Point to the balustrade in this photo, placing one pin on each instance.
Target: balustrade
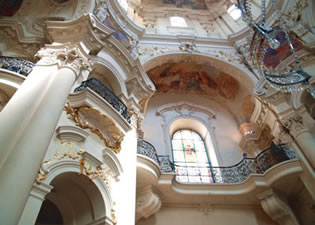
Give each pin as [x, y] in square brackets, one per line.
[106, 94]
[17, 65]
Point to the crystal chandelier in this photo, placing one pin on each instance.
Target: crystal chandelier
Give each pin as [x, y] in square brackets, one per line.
[267, 39]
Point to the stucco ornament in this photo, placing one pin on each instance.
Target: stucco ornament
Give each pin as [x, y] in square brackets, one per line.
[105, 128]
[294, 124]
[101, 10]
[67, 57]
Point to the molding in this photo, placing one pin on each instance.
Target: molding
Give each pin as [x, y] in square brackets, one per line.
[112, 161]
[71, 133]
[147, 164]
[89, 98]
[253, 183]
[11, 79]
[148, 202]
[39, 191]
[105, 128]
[190, 107]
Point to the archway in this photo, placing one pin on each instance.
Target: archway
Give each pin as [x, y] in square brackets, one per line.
[74, 199]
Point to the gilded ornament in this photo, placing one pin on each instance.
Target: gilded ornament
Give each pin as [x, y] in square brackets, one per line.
[114, 138]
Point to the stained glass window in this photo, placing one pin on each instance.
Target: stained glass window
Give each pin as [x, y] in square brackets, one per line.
[190, 157]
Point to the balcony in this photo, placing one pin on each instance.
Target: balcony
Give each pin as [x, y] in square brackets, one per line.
[147, 149]
[237, 173]
[17, 65]
[106, 94]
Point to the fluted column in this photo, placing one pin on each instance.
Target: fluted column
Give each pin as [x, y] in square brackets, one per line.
[28, 122]
[278, 209]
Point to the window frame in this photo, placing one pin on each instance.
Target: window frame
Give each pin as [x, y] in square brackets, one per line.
[184, 20]
[211, 177]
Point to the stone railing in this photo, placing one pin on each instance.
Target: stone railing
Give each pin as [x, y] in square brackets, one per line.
[16, 65]
[106, 94]
[147, 149]
[240, 171]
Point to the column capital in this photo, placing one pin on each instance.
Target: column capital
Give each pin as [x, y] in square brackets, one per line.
[66, 56]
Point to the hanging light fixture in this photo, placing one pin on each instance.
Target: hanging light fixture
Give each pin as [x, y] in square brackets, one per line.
[267, 39]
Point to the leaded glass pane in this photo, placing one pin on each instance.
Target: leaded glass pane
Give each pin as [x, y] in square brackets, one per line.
[177, 145]
[195, 136]
[194, 179]
[199, 146]
[190, 158]
[201, 157]
[193, 171]
[179, 156]
[186, 134]
[182, 179]
[177, 136]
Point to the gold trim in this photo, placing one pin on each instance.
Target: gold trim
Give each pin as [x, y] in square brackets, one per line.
[74, 115]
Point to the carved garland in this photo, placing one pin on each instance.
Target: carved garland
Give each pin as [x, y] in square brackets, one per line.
[74, 115]
[66, 152]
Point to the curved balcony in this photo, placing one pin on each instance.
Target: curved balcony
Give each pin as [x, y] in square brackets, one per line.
[147, 149]
[106, 94]
[17, 65]
[238, 172]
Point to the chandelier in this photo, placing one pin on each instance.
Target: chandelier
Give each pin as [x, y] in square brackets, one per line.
[265, 39]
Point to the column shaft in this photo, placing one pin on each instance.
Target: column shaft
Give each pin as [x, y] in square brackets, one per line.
[28, 123]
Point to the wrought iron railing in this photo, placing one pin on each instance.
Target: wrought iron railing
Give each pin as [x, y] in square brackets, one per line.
[106, 94]
[147, 149]
[17, 65]
[240, 171]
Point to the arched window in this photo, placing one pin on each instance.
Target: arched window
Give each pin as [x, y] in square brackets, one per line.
[190, 157]
[177, 21]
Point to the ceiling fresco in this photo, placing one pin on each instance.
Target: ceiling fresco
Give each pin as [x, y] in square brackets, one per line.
[194, 78]
[194, 4]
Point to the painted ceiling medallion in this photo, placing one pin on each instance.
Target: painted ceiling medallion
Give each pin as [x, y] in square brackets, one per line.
[99, 124]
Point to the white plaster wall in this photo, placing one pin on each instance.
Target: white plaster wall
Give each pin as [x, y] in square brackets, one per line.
[218, 216]
[124, 190]
[224, 129]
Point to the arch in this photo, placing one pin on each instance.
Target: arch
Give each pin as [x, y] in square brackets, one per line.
[116, 76]
[245, 77]
[70, 166]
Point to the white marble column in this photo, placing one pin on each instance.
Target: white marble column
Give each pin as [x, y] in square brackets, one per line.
[28, 122]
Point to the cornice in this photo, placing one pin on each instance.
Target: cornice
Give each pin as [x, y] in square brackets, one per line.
[96, 37]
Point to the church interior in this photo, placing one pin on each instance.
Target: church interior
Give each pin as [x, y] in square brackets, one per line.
[157, 112]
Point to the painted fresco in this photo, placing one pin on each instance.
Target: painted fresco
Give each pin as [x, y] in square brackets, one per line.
[194, 4]
[193, 78]
[273, 57]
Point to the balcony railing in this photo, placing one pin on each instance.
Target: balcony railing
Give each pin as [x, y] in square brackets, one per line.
[106, 94]
[231, 174]
[16, 65]
[147, 149]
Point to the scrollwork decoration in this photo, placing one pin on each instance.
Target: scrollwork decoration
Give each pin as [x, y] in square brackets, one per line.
[113, 142]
